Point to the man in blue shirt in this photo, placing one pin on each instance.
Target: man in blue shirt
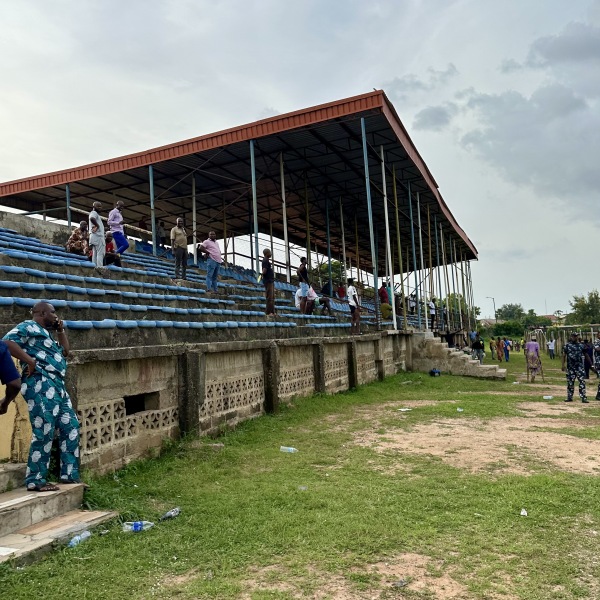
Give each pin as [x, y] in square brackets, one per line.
[9, 374]
[574, 356]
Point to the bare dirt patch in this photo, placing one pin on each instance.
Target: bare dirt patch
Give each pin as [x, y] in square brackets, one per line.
[508, 445]
[404, 573]
[555, 410]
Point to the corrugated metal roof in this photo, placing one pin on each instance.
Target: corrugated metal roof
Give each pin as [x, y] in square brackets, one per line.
[322, 150]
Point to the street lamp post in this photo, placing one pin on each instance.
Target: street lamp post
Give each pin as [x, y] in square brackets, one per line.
[494, 301]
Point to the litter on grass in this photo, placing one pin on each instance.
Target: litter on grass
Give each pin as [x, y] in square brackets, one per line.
[460, 410]
[404, 409]
[523, 512]
[548, 397]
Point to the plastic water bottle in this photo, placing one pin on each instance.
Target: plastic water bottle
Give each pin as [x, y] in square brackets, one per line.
[174, 512]
[137, 526]
[81, 537]
[287, 449]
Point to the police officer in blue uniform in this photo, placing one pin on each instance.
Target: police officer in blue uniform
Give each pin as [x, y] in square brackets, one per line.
[574, 356]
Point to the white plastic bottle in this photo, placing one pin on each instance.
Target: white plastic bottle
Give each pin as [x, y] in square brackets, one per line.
[137, 526]
[287, 449]
[81, 537]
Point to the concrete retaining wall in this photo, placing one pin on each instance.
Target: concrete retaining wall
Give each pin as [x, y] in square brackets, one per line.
[130, 400]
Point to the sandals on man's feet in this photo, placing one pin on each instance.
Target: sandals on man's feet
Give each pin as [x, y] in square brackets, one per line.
[47, 487]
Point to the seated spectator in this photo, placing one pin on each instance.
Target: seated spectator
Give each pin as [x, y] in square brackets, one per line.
[78, 240]
[386, 311]
[326, 289]
[309, 302]
[383, 295]
[143, 225]
[341, 292]
[111, 257]
[161, 234]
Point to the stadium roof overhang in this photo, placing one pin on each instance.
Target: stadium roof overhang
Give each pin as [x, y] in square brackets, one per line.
[322, 153]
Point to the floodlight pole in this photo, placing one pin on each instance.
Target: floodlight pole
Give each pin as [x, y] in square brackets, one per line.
[343, 245]
[152, 212]
[370, 212]
[254, 206]
[328, 243]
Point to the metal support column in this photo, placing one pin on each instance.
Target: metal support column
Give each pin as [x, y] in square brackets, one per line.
[225, 231]
[399, 244]
[195, 234]
[370, 212]
[421, 283]
[68, 198]
[414, 253]
[307, 212]
[152, 211]
[388, 246]
[343, 282]
[437, 262]
[328, 246]
[288, 266]
[254, 207]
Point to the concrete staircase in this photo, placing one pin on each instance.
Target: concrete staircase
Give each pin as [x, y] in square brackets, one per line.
[33, 523]
[430, 352]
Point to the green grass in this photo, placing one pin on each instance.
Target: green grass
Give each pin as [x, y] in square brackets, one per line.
[243, 510]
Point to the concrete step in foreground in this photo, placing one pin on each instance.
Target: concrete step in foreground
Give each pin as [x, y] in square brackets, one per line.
[30, 543]
[12, 476]
[21, 508]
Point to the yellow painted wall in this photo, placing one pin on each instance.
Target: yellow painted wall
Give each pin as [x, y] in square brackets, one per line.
[15, 430]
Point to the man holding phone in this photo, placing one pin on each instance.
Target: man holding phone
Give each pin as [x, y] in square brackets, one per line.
[43, 388]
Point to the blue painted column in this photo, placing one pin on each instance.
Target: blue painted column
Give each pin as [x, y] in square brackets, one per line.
[370, 212]
[437, 262]
[68, 198]
[254, 207]
[414, 254]
[328, 243]
[152, 212]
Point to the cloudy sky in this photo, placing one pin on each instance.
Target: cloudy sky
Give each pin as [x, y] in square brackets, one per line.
[500, 98]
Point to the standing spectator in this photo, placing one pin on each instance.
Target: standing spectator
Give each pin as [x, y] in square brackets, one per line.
[115, 222]
[493, 348]
[499, 349]
[213, 261]
[47, 397]
[161, 234]
[341, 291]
[144, 226]
[574, 357]
[588, 348]
[78, 240]
[532, 356]
[302, 272]
[412, 303]
[309, 302]
[326, 289]
[111, 256]
[506, 345]
[354, 307]
[97, 241]
[268, 279]
[179, 244]
[478, 348]
[551, 345]
[432, 312]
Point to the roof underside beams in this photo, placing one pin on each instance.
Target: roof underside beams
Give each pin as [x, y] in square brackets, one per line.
[323, 163]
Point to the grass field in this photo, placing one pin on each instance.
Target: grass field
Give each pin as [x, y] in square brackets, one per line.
[378, 503]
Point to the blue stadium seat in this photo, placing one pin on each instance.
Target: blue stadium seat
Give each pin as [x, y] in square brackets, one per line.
[26, 302]
[181, 324]
[11, 269]
[100, 305]
[119, 306]
[11, 285]
[6, 301]
[78, 304]
[147, 324]
[79, 324]
[58, 304]
[126, 324]
[164, 323]
[104, 324]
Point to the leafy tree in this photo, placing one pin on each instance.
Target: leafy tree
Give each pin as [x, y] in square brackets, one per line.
[531, 320]
[510, 312]
[585, 310]
[510, 329]
[322, 272]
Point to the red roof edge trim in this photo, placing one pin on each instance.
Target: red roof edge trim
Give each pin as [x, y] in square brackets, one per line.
[255, 130]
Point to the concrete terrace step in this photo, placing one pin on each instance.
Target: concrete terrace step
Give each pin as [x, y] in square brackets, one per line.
[29, 543]
[12, 476]
[21, 508]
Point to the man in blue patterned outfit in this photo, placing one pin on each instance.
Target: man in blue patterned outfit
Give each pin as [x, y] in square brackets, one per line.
[47, 398]
[597, 361]
[574, 356]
